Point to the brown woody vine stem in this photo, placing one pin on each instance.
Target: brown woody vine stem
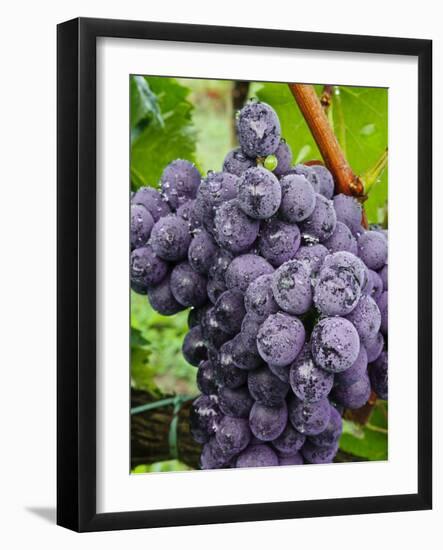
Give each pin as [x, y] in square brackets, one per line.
[310, 106]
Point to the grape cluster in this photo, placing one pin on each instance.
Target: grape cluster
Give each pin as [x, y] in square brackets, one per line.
[288, 297]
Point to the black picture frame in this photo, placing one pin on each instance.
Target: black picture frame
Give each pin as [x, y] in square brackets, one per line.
[76, 265]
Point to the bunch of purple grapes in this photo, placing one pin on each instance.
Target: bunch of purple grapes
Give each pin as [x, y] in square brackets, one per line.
[288, 297]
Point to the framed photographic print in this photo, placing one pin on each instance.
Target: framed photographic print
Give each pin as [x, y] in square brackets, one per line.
[229, 201]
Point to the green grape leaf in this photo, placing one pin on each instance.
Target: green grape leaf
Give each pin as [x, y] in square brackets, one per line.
[144, 104]
[154, 145]
[369, 441]
[359, 117]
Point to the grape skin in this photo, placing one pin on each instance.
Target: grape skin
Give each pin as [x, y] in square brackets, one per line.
[147, 269]
[309, 382]
[259, 299]
[234, 230]
[266, 388]
[170, 238]
[280, 339]
[180, 181]
[258, 129]
[153, 202]
[335, 344]
[353, 396]
[279, 241]
[298, 199]
[141, 225]
[291, 285]
[236, 162]
[259, 193]
[257, 456]
[267, 423]
[187, 286]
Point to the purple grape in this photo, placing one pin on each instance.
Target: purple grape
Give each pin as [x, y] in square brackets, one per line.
[309, 382]
[312, 257]
[373, 249]
[213, 333]
[147, 269]
[215, 288]
[259, 193]
[348, 211]
[162, 300]
[187, 211]
[207, 379]
[179, 182]
[374, 346]
[280, 372]
[141, 225]
[309, 173]
[228, 375]
[244, 269]
[279, 241]
[383, 307]
[153, 202]
[170, 238]
[204, 417]
[257, 456]
[267, 423]
[220, 263]
[241, 357]
[280, 339]
[249, 331]
[187, 286]
[298, 198]
[289, 442]
[378, 374]
[355, 372]
[334, 344]
[229, 310]
[201, 252]
[325, 180]
[319, 455]
[337, 291]
[341, 239]
[139, 288]
[384, 276]
[235, 401]
[353, 396]
[216, 189]
[259, 299]
[348, 260]
[366, 318]
[258, 129]
[236, 162]
[194, 347]
[377, 285]
[283, 154]
[320, 225]
[291, 286]
[233, 435]
[234, 230]
[309, 418]
[266, 388]
[331, 434]
[213, 456]
[294, 460]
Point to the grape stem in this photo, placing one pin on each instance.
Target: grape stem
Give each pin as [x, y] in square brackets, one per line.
[345, 180]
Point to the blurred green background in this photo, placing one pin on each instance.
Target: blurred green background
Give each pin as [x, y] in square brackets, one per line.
[194, 119]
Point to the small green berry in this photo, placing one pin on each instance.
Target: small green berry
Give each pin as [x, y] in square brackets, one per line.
[270, 163]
